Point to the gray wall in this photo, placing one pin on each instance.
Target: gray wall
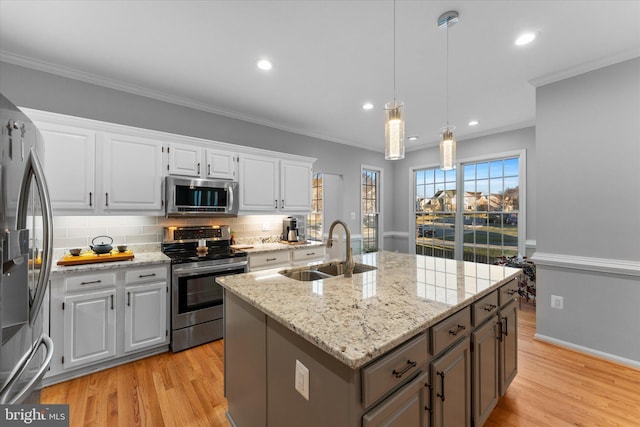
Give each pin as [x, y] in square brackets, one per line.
[468, 149]
[588, 238]
[44, 91]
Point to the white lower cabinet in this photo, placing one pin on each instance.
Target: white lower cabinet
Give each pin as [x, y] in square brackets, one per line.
[89, 328]
[145, 316]
[101, 319]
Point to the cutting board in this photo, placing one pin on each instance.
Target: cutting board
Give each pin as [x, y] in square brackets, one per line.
[240, 247]
[91, 258]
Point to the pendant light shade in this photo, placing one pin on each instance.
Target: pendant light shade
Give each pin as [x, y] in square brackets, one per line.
[394, 130]
[447, 140]
[447, 149]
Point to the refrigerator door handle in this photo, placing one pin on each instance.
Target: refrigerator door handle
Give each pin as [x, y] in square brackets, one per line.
[34, 169]
[24, 363]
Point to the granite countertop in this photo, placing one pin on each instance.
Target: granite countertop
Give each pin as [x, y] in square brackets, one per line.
[255, 248]
[359, 318]
[140, 259]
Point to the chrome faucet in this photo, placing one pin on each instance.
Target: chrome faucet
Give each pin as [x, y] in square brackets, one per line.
[349, 264]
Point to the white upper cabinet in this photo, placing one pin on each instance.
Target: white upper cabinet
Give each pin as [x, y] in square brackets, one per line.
[268, 184]
[199, 162]
[132, 175]
[70, 166]
[184, 160]
[295, 186]
[221, 164]
[258, 183]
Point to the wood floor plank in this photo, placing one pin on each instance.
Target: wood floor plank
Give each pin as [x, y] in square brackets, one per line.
[554, 387]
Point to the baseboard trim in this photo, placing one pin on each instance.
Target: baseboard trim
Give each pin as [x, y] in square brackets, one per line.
[590, 351]
[605, 265]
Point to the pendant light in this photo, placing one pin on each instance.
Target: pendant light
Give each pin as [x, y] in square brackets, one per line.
[394, 114]
[447, 140]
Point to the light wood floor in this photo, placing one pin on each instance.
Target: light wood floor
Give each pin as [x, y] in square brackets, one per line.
[554, 387]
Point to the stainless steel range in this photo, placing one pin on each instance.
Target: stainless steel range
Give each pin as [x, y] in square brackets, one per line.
[198, 255]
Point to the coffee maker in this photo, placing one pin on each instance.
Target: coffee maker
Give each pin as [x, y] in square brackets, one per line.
[290, 229]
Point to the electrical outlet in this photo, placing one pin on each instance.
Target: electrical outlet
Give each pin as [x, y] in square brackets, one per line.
[557, 302]
[265, 226]
[353, 215]
[302, 379]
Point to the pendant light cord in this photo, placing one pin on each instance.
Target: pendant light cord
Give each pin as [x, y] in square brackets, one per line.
[447, 74]
[394, 51]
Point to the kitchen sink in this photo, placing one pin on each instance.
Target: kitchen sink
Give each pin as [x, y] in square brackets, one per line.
[324, 271]
[305, 275]
[337, 269]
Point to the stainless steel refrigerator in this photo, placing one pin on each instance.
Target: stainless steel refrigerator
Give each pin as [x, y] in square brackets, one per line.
[25, 254]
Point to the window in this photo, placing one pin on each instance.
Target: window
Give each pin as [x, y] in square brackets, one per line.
[480, 223]
[435, 212]
[370, 209]
[314, 219]
[491, 207]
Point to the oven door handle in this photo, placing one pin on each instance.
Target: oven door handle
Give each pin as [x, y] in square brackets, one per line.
[189, 271]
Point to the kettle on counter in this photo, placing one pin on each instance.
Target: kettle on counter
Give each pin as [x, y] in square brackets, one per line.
[102, 248]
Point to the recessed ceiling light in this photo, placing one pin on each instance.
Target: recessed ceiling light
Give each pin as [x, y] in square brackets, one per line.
[413, 138]
[265, 64]
[473, 122]
[367, 106]
[525, 38]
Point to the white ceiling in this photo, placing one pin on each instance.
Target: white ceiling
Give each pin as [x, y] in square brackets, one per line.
[329, 57]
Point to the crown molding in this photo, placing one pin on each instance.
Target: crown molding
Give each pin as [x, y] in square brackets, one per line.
[98, 80]
[585, 68]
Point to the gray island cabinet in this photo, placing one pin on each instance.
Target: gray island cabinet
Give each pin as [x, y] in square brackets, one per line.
[419, 341]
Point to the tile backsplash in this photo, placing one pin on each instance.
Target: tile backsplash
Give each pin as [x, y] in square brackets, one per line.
[147, 231]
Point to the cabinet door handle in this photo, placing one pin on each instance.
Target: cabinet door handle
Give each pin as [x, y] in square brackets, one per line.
[282, 204]
[128, 299]
[276, 204]
[489, 307]
[106, 196]
[90, 198]
[410, 365]
[271, 259]
[505, 331]
[209, 169]
[91, 282]
[457, 330]
[441, 396]
[428, 408]
[310, 253]
[510, 292]
[500, 332]
[146, 275]
[111, 301]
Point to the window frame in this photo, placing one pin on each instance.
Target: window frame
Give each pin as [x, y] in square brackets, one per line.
[380, 203]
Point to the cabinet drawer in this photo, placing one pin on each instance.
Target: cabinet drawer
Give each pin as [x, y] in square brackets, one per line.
[393, 369]
[301, 255]
[267, 260]
[406, 407]
[90, 281]
[484, 307]
[143, 275]
[508, 292]
[449, 330]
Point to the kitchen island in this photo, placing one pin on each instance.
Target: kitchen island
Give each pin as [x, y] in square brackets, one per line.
[351, 351]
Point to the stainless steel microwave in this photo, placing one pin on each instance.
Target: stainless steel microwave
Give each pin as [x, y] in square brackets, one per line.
[201, 197]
